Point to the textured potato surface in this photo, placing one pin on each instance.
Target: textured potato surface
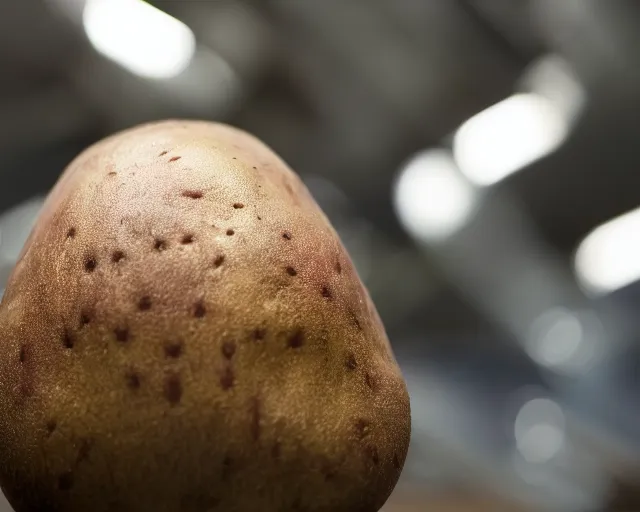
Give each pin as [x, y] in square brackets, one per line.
[185, 332]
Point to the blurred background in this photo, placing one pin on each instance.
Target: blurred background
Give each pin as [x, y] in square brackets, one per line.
[479, 159]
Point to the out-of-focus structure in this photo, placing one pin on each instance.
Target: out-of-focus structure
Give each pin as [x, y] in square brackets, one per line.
[479, 159]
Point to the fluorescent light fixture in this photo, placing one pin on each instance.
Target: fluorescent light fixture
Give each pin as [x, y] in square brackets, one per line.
[553, 77]
[142, 39]
[508, 136]
[431, 198]
[609, 257]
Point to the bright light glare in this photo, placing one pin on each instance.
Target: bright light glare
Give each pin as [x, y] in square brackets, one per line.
[553, 77]
[609, 257]
[431, 198]
[567, 341]
[507, 137]
[139, 37]
[556, 338]
[540, 430]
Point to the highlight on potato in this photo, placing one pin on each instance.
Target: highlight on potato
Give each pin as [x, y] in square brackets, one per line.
[185, 331]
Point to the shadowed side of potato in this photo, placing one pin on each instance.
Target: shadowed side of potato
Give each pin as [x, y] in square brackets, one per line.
[185, 332]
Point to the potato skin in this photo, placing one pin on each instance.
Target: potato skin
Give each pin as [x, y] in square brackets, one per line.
[185, 332]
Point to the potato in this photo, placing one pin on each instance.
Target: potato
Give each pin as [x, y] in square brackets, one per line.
[185, 332]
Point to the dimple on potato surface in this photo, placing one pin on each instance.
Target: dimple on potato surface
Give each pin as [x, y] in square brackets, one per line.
[185, 332]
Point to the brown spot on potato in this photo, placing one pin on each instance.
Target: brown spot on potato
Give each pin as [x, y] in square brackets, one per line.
[71, 233]
[187, 239]
[90, 264]
[326, 293]
[228, 349]
[218, 261]
[354, 319]
[227, 379]
[163, 153]
[372, 452]
[121, 334]
[117, 256]
[51, 427]
[199, 309]
[144, 304]
[23, 353]
[363, 428]
[351, 362]
[238, 206]
[259, 334]
[172, 388]
[133, 380]
[296, 339]
[338, 267]
[174, 158]
[85, 318]
[291, 271]
[67, 340]
[65, 481]
[286, 235]
[370, 381]
[193, 194]
[173, 349]
[160, 245]
[230, 232]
